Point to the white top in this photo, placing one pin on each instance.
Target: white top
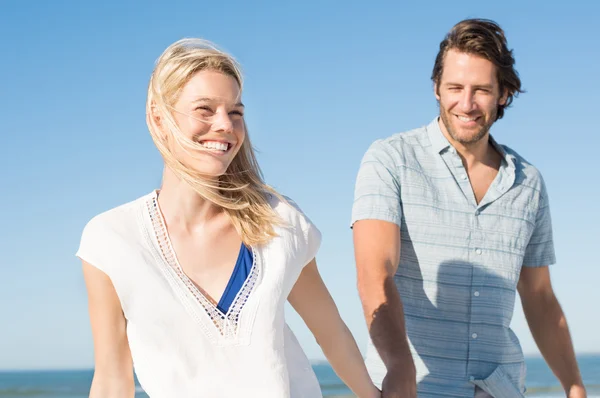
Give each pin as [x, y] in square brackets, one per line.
[181, 344]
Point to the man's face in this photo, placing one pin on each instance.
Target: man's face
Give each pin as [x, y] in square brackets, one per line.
[469, 94]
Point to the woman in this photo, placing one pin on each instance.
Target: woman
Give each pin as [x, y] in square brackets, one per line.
[189, 282]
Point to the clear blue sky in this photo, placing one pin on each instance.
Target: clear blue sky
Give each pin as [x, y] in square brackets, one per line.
[323, 82]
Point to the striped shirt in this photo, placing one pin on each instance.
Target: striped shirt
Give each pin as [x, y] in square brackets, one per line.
[459, 260]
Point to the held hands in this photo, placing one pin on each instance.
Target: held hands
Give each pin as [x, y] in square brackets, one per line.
[400, 383]
[374, 392]
[577, 392]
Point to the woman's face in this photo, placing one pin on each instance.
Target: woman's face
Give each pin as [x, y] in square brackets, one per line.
[209, 111]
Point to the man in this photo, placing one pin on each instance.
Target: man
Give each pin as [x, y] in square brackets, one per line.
[448, 225]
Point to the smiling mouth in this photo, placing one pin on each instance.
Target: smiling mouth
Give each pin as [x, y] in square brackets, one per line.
[466, 119]
[217, 146]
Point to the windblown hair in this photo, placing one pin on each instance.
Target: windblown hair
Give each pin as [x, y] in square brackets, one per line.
[241, 191]
[486, 39]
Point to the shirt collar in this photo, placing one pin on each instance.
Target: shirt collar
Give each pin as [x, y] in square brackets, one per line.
[509, 159]
[438, 140]
[439, 143]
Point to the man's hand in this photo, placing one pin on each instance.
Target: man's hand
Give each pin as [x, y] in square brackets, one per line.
[400, 382]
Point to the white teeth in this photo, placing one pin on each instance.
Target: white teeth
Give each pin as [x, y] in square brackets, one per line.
[221, 146]
[466, 119]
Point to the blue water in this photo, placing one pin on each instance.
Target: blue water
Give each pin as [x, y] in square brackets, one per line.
[75, 384]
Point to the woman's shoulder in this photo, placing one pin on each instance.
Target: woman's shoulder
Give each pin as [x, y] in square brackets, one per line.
[306, 235]
[108, 233]
[118, 217]
[292, 214]
[286, 208]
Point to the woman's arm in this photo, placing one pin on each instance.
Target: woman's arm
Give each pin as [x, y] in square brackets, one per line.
[113, 373]
[311, 299]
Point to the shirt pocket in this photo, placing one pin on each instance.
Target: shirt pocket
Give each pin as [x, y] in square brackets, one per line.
[508, 230]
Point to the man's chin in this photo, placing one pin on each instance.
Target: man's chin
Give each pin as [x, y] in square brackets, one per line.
[467, 137]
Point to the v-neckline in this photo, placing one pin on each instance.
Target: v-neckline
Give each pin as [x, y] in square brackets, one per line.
[226, 324]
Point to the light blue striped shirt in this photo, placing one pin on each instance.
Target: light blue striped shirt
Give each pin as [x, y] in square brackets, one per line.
[459, 261]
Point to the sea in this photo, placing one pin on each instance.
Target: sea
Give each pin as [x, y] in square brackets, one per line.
[76, 383]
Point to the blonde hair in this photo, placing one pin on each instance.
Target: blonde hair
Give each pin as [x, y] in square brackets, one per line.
[241, 191]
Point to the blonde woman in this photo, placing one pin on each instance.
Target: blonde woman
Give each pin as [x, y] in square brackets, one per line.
[188, 283]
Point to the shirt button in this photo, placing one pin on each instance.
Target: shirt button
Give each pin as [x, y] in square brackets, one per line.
[472, 378]
[476, 293]
[477, 212]
[478, 251]
[463, 176]
[474, 335]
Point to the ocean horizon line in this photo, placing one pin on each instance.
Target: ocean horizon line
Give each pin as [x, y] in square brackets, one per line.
[314, 362]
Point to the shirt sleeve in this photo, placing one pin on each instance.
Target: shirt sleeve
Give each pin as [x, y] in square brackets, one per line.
[89, 246]
[377, 189]
[313, 240]
[310, 236]
[540, 249]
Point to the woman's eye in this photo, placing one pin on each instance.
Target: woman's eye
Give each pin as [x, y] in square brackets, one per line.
[237, 113]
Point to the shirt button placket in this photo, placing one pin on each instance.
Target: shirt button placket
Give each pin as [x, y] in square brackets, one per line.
[475, 242]
[474, 336]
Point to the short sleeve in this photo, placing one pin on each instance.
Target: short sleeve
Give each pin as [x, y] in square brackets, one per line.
[313, 240]
[310, 235]
[540, 249]
[377, 189]
[90, 244]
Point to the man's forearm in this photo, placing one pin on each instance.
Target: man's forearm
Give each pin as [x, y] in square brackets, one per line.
[551, 333]
[385, 320]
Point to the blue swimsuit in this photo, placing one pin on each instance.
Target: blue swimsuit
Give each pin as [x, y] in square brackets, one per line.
[240, 273]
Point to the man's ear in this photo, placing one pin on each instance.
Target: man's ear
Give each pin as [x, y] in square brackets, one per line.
[435, 91]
